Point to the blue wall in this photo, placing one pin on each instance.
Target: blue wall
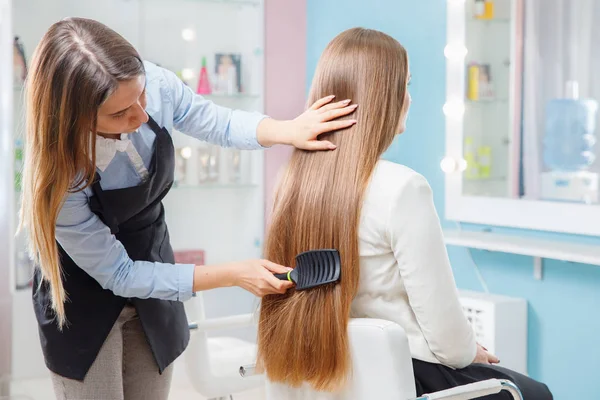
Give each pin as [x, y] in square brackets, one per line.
[564, 308]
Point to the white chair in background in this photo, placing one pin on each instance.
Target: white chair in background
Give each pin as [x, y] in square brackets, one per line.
[212, 363]
[382, 370]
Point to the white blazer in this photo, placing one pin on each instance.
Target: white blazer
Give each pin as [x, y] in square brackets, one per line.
[405, 274]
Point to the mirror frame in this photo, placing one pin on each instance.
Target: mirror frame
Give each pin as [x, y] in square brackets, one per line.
[573, 218]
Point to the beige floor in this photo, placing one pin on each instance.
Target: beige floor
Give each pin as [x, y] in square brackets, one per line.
[41, 389]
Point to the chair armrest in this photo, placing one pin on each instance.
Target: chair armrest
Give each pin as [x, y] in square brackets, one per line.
[475, 390]
[234, 321]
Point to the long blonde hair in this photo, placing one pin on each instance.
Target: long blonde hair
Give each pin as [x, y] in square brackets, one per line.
[303, 335]
[76, 66]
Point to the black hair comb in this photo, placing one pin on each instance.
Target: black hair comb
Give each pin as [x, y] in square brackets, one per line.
[314, 268]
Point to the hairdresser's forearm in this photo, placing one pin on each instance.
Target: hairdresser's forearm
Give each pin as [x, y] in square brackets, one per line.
[208, 277]
[271, 132]
[144, 279]
[177, 282]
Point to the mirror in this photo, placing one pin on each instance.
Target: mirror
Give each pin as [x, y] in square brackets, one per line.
[530, 117]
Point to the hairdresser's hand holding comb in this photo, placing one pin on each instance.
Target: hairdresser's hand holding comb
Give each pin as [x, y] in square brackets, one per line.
[256, 276]
[302, 132]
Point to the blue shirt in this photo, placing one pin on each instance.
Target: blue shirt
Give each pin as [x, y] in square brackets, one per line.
[89, 242]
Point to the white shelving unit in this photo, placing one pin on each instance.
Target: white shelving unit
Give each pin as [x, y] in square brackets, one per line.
[535, 247]
[224, 218]
[486, 119]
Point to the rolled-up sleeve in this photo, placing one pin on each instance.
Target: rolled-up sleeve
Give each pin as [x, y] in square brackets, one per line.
[90, 244]
[202, 119]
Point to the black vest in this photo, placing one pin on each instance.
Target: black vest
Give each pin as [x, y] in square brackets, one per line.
[136, 217]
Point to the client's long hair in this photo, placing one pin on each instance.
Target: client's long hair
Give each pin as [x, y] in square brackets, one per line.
[303, 335]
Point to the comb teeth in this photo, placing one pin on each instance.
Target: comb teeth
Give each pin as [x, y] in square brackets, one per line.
[317, 267]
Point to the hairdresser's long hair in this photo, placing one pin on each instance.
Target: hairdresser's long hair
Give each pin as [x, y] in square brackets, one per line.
[303, 335]
[76, 66]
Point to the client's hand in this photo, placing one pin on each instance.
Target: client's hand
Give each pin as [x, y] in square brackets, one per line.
[256, 276]
[484, 357]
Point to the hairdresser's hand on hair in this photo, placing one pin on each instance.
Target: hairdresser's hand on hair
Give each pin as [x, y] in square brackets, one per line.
[256, 276]
[484, 357]
[302, 132]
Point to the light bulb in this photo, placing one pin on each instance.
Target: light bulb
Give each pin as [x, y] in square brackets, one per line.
[454, 109]
[187, 74]
[186, 152]
[448, 165]
[455, 52]
[188, 35]
[462, 165]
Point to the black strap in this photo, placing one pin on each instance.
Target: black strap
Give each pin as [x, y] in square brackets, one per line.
[153, 125]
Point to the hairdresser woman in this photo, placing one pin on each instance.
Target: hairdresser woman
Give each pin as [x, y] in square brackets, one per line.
[100, 159]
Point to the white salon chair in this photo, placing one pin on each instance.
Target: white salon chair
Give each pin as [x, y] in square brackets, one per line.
[212, 363]
[382, 369]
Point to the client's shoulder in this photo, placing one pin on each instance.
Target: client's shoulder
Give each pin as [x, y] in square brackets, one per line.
[392, 185]
[395, 175]
[390, 180]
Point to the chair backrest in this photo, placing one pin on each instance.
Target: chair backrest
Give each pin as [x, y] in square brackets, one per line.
[197, 355]
[212, 364]
[381, 366]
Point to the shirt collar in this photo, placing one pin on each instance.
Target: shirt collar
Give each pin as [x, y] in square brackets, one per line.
[106, 149]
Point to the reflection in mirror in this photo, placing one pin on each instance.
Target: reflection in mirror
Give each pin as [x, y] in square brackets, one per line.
[560, 108]
[530, 99]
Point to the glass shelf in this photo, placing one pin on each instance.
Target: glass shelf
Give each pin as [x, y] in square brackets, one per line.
[488, 179]
[231, 96]
[492, 21]
[253, 3]
[485, 102]
[214, 186]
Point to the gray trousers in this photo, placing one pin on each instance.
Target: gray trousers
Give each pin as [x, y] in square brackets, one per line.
[124, 369]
